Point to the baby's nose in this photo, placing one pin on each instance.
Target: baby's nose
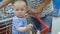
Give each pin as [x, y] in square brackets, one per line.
[20, 11]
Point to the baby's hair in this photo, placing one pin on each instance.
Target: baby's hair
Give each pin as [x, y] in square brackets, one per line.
[19, 2]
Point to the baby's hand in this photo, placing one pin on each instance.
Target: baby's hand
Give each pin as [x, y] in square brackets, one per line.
[29, 26]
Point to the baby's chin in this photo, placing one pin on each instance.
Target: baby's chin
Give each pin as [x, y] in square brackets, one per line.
[21, 16]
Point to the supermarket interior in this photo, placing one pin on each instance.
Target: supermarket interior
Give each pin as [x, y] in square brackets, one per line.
[7, 14]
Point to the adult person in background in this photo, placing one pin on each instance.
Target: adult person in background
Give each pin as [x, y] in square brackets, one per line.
[4, 2]
[44, 10]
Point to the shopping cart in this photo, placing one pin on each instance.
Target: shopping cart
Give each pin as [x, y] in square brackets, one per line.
[46, 27]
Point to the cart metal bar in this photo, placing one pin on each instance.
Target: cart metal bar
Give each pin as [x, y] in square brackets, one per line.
[46, 28]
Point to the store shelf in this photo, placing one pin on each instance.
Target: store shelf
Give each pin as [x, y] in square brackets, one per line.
[3, 20]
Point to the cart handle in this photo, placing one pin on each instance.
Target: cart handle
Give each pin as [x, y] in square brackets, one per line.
[46, 28]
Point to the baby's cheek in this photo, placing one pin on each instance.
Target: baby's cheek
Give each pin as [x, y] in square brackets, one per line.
[23, 13]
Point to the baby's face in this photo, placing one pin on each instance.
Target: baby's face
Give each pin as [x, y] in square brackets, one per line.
[20, 10]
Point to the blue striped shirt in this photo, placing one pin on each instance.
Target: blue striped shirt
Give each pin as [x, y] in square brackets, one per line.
[18, 22]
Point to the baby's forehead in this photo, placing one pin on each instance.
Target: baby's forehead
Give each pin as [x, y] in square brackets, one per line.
[19, 6]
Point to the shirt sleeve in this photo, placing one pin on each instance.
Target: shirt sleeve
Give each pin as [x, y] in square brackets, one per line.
[17, 23]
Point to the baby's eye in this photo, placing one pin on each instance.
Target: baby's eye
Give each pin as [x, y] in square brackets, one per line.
[22, 9]
[17, 9]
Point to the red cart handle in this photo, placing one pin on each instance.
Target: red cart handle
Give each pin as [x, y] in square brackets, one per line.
[46, 28]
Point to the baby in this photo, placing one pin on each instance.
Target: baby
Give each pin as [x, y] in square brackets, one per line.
[19, 23]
